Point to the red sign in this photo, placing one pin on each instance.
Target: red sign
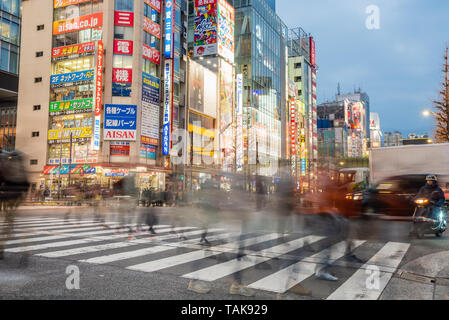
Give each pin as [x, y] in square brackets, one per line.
[151, 54]
[312, 51]
[78, 23]
[65, 3]
[293, 126]
[124, 18]
[99, 83]
[119, 150]
[148, 140]
[155, 4]
[200, 3]
[121, 75]
[123, 47]
[73, 49]
[152, 27]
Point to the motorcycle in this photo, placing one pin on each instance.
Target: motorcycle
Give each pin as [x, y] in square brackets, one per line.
[428, 219]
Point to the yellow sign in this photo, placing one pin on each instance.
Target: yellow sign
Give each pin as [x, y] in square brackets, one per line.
[65, 133]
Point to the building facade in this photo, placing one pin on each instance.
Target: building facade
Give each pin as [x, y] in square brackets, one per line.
[392, 139]
[10, 24]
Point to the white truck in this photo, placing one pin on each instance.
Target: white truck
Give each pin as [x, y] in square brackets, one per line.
[410, 160]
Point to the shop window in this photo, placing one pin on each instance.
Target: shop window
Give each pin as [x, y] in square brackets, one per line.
[40, 27]
[36, 107]
[33, 162]
[73, 65]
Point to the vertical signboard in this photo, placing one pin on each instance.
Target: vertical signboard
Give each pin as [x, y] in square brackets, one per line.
[169, 26]
[226, 95]
[206, 28]
[239, 112]
[293, 133]
[167, 107]
[312, 52]
[98, 98]
[150, 109]
[226, 30]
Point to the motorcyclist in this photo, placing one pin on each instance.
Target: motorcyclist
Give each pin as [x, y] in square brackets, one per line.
[432, 192]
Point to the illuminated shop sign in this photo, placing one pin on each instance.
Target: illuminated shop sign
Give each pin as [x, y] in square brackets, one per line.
[124, 18]
[67, 78]
[65, 3]
[123, 47]
[121, 75]
[79, 23]
[151, 54]
[167, 108]
[98, 97]
[152, 27]
[169, 29]
[71, 106]
[73, 51]
[120, 122]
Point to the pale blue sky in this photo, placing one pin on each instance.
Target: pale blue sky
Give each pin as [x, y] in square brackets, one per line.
[399, 65]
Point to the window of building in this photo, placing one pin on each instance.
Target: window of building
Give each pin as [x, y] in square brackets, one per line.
[150, 67]
[72, 93]
[123, 33]
[4, 56]
[122, 61]
[298, 79]
[124, 5]
[40, 27]
[33, 162]
[35, 134]
[36, 107]
[298, 65]
[73, 65]
[39, 54]
[151, 14]
[121, 89]
[38, 79]
[151, 41]
[299, 92]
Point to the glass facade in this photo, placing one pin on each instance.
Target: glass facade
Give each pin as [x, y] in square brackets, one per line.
[9, 35]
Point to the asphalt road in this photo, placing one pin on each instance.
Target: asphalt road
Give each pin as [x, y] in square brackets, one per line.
[114, 266]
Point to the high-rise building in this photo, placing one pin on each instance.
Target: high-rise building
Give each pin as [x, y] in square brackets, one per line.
[302, 69]
[10, 22]
[93, 76]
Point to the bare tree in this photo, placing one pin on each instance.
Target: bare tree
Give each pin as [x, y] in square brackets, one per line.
[442, 106]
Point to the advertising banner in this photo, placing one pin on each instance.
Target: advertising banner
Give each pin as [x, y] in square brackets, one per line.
[75, 169]
[74, 51]
[312, 52]
[150, 108]
[147, 140]
[226, 30]
[155, 4]
[124, 18]
[116, 172]
[168, 104]
[119, 149]
[239, 112]
[121, 75]
[152, 84]
[64, 134]
[72, 77]
[205, 28]
[65, 3]
[78, 23]
[120, 122]
[151, 54]
[226, 95]
[293, 132]
[151, 27]
[98, 96]
[202, 89]
[147, 151]
[169, 28]
[123, 47]
[71, 106]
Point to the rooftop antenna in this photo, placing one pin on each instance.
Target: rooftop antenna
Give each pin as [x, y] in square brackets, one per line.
[338, 88]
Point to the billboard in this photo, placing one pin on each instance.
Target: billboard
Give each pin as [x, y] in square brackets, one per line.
[71, 106]
[151, 27]
[147, 151]
[66, 78]
[55, 136]
[120, 122]
[202, 89]
[124, 19]
[75, 169]
[151, 54]
[119, 149]
[74, 51]
[169, 28]
[206, 28]
[168, 104]
[122, 75]
[312, 52]
[226, 30]
[150, 107]
[226, 95]
[79, 23]
[98, 96]
[123, 47]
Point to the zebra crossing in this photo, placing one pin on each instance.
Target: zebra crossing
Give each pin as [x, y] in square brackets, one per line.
[230, 253]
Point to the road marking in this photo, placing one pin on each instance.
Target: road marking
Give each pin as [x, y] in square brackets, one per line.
[287, 278]
[386, 260]
[145, 251]
[224, 269]
[115, 245]
[198, 254]
[40, 223]
[61, 228]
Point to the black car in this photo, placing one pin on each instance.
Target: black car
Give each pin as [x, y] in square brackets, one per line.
[392, 197]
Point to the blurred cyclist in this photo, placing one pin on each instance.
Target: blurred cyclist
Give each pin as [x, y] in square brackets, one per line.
[433, 192]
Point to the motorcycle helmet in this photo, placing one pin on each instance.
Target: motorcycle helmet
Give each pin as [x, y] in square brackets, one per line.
[431, 177]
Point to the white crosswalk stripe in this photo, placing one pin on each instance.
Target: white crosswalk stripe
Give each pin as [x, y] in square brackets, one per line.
[88, 242]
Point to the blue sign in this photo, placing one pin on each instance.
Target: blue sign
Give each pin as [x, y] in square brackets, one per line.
[169, 29]
[120, 117]
[303, 166]
[72, 77]
[151, 85]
